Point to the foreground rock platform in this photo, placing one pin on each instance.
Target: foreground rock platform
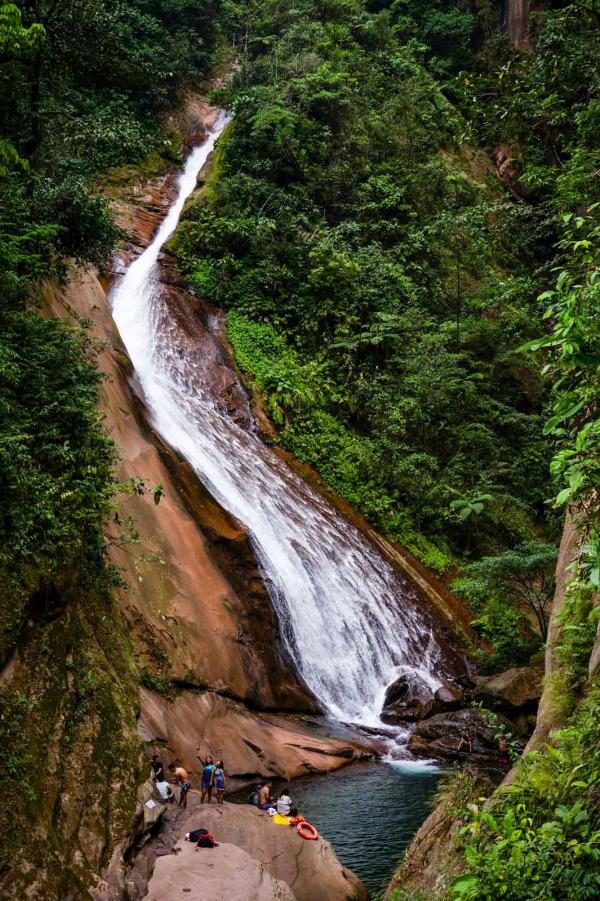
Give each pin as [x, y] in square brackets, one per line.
[221, 874]
[255, 861]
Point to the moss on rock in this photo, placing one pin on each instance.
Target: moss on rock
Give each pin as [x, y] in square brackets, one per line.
[71, 749]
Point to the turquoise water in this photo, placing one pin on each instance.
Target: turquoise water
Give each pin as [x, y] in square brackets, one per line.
[369, 812]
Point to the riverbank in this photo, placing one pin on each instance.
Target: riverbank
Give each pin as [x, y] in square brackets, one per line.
[369, 813]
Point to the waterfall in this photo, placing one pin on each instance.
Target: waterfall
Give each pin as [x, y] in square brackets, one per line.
[349, 622]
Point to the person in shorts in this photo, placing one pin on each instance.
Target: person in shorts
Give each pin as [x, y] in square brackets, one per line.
[183, 781]
[206, 780]
[219, 781]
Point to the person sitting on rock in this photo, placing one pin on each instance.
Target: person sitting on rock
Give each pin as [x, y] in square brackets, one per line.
[183, 781]
[264, 800]
[206, 781]
[466, 743]
[284, 803]
[164, 789]
[219, 781]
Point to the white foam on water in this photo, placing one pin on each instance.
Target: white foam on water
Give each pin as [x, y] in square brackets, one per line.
[414, 767]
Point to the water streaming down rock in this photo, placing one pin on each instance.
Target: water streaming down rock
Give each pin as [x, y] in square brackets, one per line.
[348, 620]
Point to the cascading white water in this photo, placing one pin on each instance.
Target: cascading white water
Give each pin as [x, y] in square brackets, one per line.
[348, 621]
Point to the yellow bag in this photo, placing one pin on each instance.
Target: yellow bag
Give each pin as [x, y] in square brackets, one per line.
[280, 820]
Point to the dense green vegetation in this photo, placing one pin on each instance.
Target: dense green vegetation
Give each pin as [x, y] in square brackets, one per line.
[81, 83]
[409, 320]
[378, 279]
[542, 838]
[381, 288]
[80, 87]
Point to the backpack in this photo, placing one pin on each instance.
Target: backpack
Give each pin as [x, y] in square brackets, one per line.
[207, 841]
[253, 798]
[195, 834]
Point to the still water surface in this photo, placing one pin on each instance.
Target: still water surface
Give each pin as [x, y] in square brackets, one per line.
[369, 813]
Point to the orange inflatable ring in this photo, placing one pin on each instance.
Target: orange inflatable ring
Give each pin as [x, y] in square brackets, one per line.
[307, 831]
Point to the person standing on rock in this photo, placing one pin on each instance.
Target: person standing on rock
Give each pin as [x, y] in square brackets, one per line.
[206, 781]
[219, 781]
[466, 743]
[503, 756]
[158, 771]
[183, 781]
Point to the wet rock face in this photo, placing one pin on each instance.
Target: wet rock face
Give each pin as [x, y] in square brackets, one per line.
[440, 737]
[409, 698]
[255, 747]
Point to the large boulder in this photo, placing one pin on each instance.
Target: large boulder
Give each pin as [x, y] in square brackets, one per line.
[515, 689]
[439, 737]
[410, 698]
[448, 697]
[149, 809]
[407, 698]
[255, 856]
[218, 874]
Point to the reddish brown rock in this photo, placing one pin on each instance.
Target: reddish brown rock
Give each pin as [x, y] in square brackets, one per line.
[253, 746]
[309, 870]
[198, 610]
[218, 874]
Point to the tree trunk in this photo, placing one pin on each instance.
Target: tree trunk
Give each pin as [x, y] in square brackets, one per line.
[516, 23]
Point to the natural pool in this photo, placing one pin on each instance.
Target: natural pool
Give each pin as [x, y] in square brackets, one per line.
[369, 812]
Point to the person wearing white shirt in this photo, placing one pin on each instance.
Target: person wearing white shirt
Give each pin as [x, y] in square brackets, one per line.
[284, 803]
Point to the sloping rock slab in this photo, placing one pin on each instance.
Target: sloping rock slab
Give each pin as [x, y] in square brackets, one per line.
[219, 874]
[253, 746]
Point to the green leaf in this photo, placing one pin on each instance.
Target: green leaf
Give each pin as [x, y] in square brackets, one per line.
[464, 884]
[562, 497]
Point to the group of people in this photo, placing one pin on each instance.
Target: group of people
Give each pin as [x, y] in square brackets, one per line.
[283, 805]
[212, 779]
[468, 744]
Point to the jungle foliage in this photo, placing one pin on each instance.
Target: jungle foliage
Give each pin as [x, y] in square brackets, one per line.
[382, 282]
[379, 278]
[81, 83]
[542, 839]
